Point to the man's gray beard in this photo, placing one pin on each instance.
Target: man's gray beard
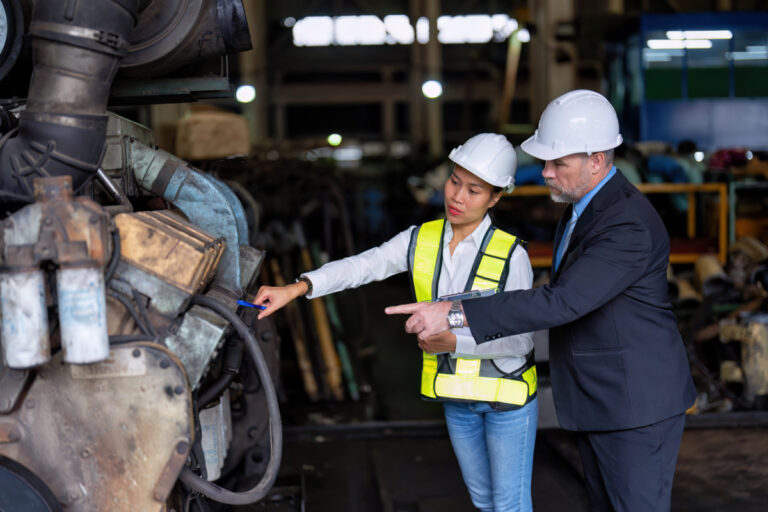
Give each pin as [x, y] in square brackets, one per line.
[559, 196]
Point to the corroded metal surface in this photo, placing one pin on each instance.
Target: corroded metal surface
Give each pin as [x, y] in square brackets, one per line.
[205, 201]
[108, 436]
[169, 248]
[195, 342]
[57, 227]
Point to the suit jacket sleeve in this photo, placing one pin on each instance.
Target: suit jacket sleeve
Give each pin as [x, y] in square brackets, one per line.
[611, 257]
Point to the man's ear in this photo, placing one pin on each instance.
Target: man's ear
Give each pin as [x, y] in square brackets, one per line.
[597, 161]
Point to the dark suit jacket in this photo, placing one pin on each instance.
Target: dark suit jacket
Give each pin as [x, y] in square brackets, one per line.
[616, 357]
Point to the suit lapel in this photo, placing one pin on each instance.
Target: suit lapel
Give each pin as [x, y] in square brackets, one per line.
[600, 202]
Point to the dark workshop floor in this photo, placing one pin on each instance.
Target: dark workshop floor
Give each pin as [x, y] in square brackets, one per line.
[390, 452]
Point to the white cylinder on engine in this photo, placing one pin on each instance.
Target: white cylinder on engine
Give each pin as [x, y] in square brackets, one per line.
[82, 314]
[25, 318]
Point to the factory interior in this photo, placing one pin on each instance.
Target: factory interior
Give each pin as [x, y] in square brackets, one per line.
[181, 154]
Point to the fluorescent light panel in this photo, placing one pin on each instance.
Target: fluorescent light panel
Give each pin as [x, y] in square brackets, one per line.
[699, 34]
[672, 44]
[397, 29]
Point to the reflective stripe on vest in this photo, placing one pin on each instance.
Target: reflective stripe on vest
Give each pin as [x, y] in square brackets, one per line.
[489, 272]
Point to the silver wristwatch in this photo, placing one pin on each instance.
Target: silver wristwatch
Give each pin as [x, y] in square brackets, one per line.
[455, 315]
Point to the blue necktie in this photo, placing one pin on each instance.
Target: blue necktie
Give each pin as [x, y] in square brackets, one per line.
[566, 238]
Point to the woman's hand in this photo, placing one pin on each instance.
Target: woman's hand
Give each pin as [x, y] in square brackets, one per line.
[275, 297]
[443, 342]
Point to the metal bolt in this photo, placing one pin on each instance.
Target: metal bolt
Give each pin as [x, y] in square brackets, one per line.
[164, 363]
[181, 448]
[30, 404]
[136, 352]
[85, 453]
[48, 221]
[253, 432]
[178, 390]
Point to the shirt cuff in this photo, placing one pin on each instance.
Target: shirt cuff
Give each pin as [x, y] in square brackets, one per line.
[317, 284]
[465, 345]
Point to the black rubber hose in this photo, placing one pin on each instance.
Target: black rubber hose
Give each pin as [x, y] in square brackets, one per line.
[132, 312]
[115, 259]
[231, 360]
[143, 311]
[253, 495]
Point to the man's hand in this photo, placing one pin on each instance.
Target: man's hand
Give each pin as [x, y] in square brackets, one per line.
[443, 342]
[427, 318]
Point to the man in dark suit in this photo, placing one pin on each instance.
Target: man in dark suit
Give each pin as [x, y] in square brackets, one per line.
[620, 375]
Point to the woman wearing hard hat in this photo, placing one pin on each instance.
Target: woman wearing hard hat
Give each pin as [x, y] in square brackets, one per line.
[488, 386]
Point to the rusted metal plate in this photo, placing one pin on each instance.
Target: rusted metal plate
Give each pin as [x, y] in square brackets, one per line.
[166, 246]
[107, 436]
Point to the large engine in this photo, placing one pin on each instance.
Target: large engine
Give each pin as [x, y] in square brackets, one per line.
[132, 376]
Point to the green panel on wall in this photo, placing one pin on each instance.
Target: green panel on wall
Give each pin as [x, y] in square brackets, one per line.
[663, 84]
[751, 81]
[708, 83]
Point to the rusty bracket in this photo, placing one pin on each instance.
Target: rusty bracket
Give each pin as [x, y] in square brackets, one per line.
[171, 471]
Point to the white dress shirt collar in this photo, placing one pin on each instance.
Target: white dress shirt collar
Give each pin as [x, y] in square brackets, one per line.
[477, 235]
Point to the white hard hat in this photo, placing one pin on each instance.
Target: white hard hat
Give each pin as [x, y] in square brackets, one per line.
[488, 156]
[579, 121]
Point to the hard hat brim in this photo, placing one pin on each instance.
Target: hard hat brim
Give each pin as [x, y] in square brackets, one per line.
[543, 152]
[481, 175]
[538, 150]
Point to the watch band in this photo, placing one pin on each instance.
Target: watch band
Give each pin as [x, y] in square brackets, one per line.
[455, 315]
[305, 280]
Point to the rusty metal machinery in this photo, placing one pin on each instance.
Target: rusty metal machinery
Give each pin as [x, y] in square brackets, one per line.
[126, 362]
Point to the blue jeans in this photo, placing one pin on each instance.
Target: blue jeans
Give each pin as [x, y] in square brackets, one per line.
[495, 453]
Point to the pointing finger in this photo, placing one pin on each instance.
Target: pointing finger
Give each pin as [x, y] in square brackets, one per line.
[404, 309]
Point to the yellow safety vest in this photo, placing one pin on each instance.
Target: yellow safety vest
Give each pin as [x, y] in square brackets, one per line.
[465, 379]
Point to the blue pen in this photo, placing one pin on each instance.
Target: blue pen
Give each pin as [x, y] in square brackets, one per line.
[251, 305]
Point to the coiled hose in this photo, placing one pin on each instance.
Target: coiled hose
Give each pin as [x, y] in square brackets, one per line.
[253, 495]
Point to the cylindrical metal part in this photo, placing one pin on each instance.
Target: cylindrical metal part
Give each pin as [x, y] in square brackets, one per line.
[76, 48]
[82, 314]
[710, 276]
[25, 318]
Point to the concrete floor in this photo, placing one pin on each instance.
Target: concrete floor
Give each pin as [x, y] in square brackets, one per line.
[389, 452]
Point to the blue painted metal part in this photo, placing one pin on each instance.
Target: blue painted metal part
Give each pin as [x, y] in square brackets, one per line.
[205, 201]
[234, 202]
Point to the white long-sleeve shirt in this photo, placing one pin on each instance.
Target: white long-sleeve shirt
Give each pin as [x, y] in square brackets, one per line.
[391, 258]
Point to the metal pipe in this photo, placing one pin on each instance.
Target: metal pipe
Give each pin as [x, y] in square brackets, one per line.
[77, 47]
[125, 205]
